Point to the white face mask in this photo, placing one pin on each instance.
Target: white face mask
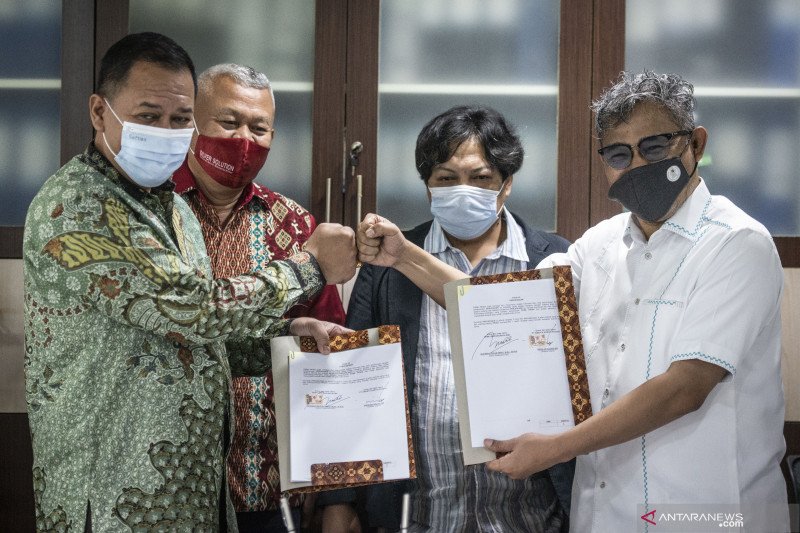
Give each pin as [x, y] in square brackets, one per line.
[150, 155]
[464, 211]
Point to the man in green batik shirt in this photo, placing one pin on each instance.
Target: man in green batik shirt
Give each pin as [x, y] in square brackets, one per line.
[126, 371]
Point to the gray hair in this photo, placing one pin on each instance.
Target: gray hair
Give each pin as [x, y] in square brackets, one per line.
[670, 91]
[241, 74]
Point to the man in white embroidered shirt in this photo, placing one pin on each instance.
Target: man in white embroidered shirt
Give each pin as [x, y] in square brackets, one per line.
[679, 302]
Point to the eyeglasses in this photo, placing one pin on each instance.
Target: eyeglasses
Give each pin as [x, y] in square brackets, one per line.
[653, 148]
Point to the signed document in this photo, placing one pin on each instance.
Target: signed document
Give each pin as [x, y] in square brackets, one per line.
[348, 406]
[511, 369]
[341, 419]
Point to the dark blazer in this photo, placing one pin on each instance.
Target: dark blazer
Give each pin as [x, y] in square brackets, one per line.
[385, 296]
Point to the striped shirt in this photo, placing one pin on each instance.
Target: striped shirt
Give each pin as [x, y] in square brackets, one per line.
[450, 496]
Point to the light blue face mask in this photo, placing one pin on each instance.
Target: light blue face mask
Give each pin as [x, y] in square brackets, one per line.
[464, 211]
[150, 155]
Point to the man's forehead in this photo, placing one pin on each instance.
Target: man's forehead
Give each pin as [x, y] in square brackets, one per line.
[474, 162]
[228, 97]
[150, 86]
[238, 109]
[156, 105]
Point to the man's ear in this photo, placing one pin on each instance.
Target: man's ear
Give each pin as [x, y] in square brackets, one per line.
[97, 112]
[699, 139]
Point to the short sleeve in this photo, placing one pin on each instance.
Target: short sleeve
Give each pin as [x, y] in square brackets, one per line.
[736, 296]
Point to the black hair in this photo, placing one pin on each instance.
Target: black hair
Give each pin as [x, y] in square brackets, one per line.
[441, 137]
[147, 46]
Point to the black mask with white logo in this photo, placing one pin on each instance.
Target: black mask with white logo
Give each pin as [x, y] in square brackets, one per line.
[650, 190]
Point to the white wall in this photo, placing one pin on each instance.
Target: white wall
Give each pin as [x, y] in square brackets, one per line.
[790, 366]
[12, 382]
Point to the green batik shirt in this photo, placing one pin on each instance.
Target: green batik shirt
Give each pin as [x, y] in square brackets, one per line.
[127, 378]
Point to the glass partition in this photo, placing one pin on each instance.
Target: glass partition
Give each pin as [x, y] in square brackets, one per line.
[743, 58]
[436, 54]
[30, 86]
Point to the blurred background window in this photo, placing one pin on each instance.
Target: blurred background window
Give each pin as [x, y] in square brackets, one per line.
[435, 54]
[743, 58]
[30, 87]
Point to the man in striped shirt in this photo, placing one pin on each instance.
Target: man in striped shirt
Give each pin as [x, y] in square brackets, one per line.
[467, 158]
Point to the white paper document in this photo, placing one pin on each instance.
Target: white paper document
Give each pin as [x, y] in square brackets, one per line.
[348, 406]
[514, 369]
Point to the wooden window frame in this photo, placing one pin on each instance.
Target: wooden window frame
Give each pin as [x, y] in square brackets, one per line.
[345, 104]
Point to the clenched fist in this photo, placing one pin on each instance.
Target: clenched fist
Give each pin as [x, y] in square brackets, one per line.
[380, 242]
[334, 247]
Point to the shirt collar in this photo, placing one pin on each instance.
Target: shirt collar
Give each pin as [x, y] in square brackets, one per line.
[685, 222]
[184, 179]
[512, 247]
[690, 216]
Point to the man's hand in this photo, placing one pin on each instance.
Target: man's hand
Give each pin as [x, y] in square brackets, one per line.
[334, 248]
[682, 389]
[525, 455]
[380, 242]
[319, 329]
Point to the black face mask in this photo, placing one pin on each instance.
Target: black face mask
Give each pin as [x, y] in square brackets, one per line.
[650, 190]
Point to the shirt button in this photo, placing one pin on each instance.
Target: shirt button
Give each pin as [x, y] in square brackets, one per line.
[648, 255]
[636, 301]
[621, 347]
[605, 393]
[602, 484]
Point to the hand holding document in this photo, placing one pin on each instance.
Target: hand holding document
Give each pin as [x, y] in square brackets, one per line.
[517, 357]
[342, 419]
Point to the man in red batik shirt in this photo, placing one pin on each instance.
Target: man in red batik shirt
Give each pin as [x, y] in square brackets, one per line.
[246, 225]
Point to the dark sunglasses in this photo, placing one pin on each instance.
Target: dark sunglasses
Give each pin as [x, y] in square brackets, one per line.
[653, 148]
